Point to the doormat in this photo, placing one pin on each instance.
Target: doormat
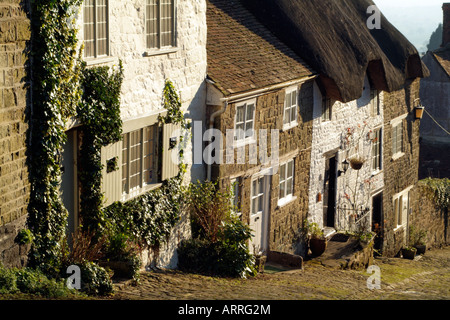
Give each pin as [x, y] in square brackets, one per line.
[340, 237]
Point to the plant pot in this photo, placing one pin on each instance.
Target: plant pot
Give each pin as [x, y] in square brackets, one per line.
[356, 164]
[409, 253]
[317, 246]
[421, 249]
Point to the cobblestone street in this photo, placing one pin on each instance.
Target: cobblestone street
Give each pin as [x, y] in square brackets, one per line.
[427, 278]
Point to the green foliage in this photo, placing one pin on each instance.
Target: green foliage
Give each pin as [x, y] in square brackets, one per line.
[95, 280]
[55, 73]
[438, 190]
[172, 103]
[31, 281]
[219, 243]
[149, 218]
[99, 111]
[209, 207]
[24, 236]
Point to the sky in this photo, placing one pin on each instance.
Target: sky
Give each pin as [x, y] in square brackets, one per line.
[416, 19]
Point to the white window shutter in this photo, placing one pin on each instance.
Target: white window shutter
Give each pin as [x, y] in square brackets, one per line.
[170, 142]
[112, 180]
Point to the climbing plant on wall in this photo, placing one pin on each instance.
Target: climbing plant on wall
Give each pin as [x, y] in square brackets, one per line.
[149, 218]
[99, 112]
[55, 92]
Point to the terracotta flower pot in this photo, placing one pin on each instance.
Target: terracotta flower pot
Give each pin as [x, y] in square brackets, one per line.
[356, 164]
[421, 249]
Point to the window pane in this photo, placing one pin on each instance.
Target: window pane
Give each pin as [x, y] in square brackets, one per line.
[102, 27]
[152, 24]
[289, 186]
[294, 98]
[89, 28]
[250, 109]
[240, 114]
[286, 119]
[283, 172]
[166, 22]
[290, 169]
[125, 164]
[293, 113]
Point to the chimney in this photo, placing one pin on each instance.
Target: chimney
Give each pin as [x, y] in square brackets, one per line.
[446, 29]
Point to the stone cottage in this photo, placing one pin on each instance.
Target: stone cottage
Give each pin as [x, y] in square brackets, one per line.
[364, 98]
[260, 98]
[155, 41]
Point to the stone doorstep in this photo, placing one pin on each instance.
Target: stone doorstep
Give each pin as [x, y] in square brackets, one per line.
[283, 260]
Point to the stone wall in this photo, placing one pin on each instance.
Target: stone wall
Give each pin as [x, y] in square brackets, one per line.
[328, 138]
[285, 221]
[426, 216]
[400, 173]
[14, 185]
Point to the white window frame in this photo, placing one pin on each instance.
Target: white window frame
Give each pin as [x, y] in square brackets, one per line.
[143, 185]
[258, 196]
[288, 107]
[395, 125]
[402, 205]
[246, 139]
[159, 49]
[378, 147]
[96, 55]
[288, 195]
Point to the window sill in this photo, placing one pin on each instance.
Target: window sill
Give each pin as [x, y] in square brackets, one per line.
[376, 172]
[139, 192]
[243, 143]
[397, 156]
[157, 52]
[398, 228]
[100, 60]
[290, 125]
[285, 201]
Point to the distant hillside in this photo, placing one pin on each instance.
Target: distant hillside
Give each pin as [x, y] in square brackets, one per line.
[416, 23]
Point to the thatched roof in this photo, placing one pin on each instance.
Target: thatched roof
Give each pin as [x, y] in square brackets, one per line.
[333, 38]
[243, 55]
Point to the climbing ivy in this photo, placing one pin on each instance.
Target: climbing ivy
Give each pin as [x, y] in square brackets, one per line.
[99, 112]
[148, 219]
[55, 92]
[438, 191]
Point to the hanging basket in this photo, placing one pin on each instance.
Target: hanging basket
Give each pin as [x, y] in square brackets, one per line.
[356, 163]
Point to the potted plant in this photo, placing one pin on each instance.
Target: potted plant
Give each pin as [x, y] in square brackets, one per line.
[418, 239]
[317, 241]
[409, 252]
[365, 238]
[356, 162]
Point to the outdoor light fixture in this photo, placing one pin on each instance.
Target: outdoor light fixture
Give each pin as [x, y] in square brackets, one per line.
[418, 109]
[344, 167]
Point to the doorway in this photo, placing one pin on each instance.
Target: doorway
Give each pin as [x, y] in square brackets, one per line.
[377, 219]
[69, 181]
[329, 191]
[259, 212]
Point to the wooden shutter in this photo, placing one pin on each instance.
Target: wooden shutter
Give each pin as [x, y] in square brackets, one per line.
[171, 132]
[112, 178]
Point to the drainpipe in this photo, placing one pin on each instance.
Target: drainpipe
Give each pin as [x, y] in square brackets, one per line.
[211, 126]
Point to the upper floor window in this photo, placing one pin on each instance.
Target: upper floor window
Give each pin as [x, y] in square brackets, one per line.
[160, 23]
[290, 108]
[245, 119]
[376, 150]
[397, 139]
[96, 30]
[375, 102]
[326, 109]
